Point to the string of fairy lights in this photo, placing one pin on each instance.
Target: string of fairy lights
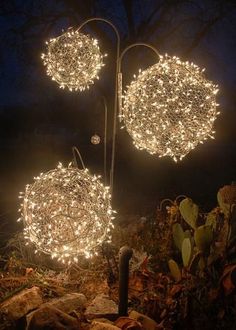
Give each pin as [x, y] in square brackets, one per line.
[168, 109]
[67, 213]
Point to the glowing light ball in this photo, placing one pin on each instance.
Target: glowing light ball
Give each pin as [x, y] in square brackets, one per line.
[170, 108]
[73, 60]
[67, 213]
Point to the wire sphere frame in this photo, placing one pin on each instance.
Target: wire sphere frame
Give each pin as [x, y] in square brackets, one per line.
[73, 60]
[67, 213]
[170, 108]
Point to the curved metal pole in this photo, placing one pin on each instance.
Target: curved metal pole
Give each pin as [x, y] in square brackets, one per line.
[101, 20]
[75, 151]
[116, 93]
[135, 45]
[119, 69]
[118, 80]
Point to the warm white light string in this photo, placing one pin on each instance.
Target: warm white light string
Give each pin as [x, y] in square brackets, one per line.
[170, 108]
[73, 60]
[67, 213]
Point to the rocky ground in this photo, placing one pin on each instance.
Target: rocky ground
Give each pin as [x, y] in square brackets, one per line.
[27, 310]
[169, 287]
[52, 300]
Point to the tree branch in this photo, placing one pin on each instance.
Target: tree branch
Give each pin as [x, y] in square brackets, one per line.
[201, 34]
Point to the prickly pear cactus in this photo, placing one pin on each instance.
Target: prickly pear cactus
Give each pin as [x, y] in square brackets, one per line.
[189, 211]
[178, 235]
[211, 220]
[226, 197]
[193, 267]
[203, 237]
[186, 251]
[202, 263]
[175, 270]
[187, 234]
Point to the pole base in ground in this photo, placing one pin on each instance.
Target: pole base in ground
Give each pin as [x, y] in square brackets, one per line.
[125, 255]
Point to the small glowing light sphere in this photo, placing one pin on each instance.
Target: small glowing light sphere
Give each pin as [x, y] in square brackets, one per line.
[67, 213]
[95, 139]
[73, 60]
[170, 108]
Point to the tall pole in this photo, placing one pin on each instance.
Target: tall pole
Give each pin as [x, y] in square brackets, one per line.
[115, 96]
[105, 141]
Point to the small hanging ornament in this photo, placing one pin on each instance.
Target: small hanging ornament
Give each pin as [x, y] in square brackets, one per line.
[95, 139]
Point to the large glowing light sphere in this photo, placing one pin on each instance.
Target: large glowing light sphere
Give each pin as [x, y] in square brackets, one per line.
[73, 60]
[67, 213]
[170, 108]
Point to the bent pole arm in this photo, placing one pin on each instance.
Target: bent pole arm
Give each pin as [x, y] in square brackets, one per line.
[136, 45]
[99, 19]
[75, 152]
[120, 89]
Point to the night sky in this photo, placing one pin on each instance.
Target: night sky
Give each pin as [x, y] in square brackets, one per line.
[40, 123]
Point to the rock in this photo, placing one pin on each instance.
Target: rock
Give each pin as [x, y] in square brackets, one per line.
[51, 318]
[126, 323]
[21, 303]
[67, 303]
[147, 322]
[102, 320]
[96, 325]
[102, 306]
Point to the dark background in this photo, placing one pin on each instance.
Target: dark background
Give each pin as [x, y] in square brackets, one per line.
[40, 123]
